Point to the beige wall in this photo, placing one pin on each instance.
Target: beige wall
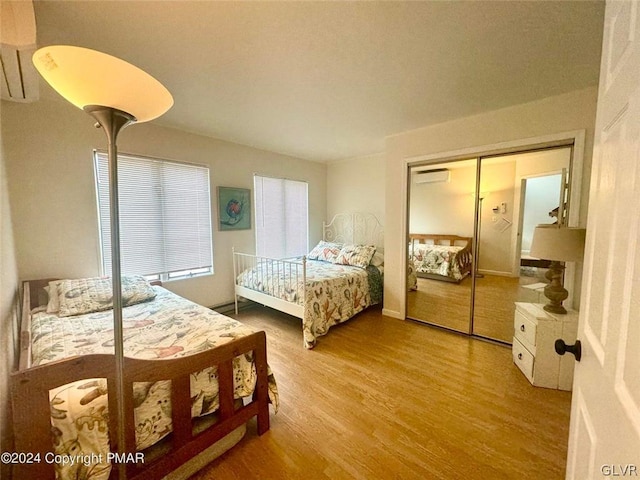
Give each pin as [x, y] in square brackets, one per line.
[496, 184]
[8, 311]
[554, 115]
[444, 207]
[49, 147]
[356, 185]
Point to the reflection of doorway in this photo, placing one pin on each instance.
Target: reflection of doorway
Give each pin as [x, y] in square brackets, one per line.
[541, 196]
[543, 199]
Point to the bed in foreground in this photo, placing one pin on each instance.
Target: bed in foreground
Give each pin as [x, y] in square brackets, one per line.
[440, 257]
[192, 377]
[339, 278]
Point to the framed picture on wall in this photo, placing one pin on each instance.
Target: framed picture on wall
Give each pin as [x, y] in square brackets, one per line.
[234, 208]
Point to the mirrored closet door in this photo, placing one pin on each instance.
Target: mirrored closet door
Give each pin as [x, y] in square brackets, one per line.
[520, 191]
[440, 243]
[470, 225]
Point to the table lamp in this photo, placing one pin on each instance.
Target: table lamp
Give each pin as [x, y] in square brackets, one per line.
[558, 244]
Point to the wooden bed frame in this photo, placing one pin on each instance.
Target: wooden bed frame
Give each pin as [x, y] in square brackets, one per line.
[348, 228]
[443, 239]
[30, 388]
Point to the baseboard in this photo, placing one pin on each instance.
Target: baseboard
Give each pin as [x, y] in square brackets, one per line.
[392, 313]
[229, 308]
[496, 273]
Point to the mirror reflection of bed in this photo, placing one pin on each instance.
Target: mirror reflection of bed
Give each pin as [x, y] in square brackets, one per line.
[516, 193]
[440, 289]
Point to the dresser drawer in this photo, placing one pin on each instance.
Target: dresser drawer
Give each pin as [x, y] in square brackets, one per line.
[524, 329]
[523, 358]
[534, 336]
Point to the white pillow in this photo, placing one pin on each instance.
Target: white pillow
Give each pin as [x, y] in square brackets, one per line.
[378, 259]
[53, 306]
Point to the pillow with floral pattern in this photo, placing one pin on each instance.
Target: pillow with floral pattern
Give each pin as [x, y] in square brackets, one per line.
[88, 295]
[325, 251]
[356, 255]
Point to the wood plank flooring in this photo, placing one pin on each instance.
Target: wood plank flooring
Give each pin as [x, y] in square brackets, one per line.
[448, 304]
[381, 398]
[442, 303]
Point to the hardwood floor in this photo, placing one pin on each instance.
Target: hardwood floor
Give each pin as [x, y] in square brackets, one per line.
[448, 304]
[383, 398]
[441, 303]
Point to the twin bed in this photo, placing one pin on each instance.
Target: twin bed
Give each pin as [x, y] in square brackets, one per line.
[339, 278]
[192, 378]
[439, 257]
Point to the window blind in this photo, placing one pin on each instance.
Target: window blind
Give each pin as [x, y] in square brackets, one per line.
[165, 215]
[282, 213]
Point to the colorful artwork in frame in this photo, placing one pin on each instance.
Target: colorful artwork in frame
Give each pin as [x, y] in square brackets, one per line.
[234, 208]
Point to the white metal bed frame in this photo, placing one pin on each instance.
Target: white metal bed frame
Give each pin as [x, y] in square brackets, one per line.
[355, 228]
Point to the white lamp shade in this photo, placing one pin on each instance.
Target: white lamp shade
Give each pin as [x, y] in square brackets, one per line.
[88, 77]
[562, 244]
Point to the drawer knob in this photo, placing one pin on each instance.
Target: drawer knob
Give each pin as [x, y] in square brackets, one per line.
[562, 348]
[522, 329]
[519, 356]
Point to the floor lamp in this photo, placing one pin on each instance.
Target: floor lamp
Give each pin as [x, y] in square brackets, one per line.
[476, 260]
[116, 94]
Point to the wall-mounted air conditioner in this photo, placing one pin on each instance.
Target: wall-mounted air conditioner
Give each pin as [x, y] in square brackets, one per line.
[432, 176]
[17, 45]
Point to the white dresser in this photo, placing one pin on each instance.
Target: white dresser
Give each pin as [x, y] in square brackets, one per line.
[535, 333]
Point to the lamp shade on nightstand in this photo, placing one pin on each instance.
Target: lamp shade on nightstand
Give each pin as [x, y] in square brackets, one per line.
[558, 244]
[561, 244]
[86, 77]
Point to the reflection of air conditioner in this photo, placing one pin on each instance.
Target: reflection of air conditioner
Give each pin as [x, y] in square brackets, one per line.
[432, 176]
[18, 42]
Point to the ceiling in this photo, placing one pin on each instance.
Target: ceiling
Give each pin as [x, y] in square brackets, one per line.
[327, 81]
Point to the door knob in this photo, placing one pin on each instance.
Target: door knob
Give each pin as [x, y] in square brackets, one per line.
[562, 348]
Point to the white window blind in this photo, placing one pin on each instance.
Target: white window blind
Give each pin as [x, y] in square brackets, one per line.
[281, 217]
[165, 216]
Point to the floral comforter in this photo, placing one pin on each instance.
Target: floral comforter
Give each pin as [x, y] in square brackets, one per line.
[167, 327]
[334, 293]
[440, 260]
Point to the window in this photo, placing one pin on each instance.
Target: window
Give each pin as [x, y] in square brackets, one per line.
[165, 217]
[281, 217]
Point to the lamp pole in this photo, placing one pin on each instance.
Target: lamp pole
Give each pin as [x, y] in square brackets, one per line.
[476, 259]
[112, 122]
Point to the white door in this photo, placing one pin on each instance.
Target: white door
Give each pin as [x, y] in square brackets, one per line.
[604, 438]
